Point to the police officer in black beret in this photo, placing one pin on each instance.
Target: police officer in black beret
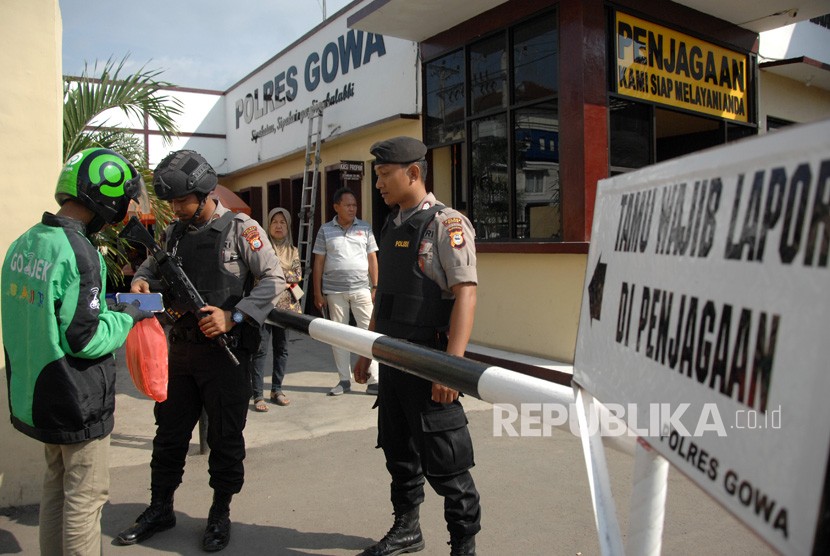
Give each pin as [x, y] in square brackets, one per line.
[426, 294]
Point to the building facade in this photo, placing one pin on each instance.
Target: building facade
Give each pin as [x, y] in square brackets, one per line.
[30, 160]
[528, 104]
[525, 106]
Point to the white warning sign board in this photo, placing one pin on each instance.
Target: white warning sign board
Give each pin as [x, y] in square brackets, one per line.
[706, 315]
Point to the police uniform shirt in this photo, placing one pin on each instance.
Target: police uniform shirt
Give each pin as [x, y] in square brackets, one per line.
[447, 253]
[246, 249]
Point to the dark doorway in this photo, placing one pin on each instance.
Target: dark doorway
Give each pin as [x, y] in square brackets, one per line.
[335, 179]
[253, 198]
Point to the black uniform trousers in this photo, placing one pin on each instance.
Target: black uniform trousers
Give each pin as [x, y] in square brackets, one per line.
[201, 375]
[423, 439]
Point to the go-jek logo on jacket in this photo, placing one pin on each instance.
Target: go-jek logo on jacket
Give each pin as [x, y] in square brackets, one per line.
[94, 300]
[28, 264]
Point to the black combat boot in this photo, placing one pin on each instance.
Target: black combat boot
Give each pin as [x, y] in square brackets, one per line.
[404, 537]
[218, 531]
[157, 517]
[462, 545]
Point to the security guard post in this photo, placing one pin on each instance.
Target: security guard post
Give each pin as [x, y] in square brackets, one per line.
[426, 294]
[223, 254]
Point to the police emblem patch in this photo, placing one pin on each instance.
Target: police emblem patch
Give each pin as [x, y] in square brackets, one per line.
[456, 234]
[251, 235]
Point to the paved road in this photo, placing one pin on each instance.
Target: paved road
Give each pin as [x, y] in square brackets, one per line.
[316, 485]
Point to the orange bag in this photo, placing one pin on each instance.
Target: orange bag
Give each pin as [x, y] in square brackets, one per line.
[147, 358]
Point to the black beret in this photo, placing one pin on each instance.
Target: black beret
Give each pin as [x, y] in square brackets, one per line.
[398, 150]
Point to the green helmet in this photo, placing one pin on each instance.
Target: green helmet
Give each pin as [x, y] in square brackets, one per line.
[101, 180]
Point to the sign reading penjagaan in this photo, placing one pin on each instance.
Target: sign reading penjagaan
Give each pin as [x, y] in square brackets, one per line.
[707, 295]
[660, 65]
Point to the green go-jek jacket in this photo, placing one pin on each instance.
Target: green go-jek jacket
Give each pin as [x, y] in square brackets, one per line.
[58, 334]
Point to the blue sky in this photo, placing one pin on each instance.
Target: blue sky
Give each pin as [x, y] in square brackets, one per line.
[206, 44]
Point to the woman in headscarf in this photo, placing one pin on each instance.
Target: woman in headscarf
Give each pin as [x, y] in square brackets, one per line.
[279, 232]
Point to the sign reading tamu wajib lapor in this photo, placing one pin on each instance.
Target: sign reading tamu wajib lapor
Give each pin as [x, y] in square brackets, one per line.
[706, 313]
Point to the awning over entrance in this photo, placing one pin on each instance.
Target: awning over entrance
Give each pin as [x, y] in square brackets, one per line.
[812, 73]
[230, 200]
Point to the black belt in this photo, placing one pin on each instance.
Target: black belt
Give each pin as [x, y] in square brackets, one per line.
[186, 334]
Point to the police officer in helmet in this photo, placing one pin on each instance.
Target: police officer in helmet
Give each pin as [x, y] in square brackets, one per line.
[236, 271]
[427, 295]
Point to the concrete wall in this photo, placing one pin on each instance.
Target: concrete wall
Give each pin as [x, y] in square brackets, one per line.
[31, 109]
[791, 100]
[202, 124]
[529, 303]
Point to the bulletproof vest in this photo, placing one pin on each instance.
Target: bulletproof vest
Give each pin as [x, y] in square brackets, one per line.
[408, 304]
[200, 253]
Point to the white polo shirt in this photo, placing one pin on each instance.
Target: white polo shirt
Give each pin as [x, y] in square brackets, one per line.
[346, 267]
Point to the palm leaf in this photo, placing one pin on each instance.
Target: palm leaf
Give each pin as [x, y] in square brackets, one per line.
[87, 102]
[87, 99]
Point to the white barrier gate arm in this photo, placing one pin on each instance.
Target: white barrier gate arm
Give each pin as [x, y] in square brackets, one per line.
[498, 385]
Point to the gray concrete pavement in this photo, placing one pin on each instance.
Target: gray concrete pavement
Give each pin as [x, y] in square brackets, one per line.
[316, 485]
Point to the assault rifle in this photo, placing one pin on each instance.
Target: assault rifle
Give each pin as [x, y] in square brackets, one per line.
[176, 282]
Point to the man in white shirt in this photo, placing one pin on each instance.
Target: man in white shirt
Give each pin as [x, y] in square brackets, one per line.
[345, 275]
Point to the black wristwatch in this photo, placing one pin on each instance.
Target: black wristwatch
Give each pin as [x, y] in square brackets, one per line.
[237, 316]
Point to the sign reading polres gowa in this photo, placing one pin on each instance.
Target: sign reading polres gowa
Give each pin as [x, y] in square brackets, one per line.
[331, 70]
[350, 51]
[705, 312]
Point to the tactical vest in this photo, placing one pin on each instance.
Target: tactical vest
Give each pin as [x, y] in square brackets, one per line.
[200, 253]
[408, 304]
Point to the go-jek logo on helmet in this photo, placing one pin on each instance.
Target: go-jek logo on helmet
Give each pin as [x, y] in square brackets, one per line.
[107, 171]
[102, 180]
[95, 172]
[92, 172]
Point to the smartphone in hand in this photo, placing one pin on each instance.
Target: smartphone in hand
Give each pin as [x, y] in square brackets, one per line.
[146, 301]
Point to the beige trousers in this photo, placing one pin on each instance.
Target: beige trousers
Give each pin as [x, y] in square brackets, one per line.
[360, 303]
[75, 488]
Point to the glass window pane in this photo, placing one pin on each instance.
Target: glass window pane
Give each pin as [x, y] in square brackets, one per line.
[488, 74]
[679, 133]
[536, 59]
[774, 123]
[490, 188]
[445, 99]
[538, 213]
[736, 131]
[630, 134]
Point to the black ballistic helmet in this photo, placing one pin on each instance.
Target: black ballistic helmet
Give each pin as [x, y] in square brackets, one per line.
[181, 173]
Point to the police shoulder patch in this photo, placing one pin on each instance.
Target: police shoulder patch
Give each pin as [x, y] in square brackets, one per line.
[251, 235]
[456, 235]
